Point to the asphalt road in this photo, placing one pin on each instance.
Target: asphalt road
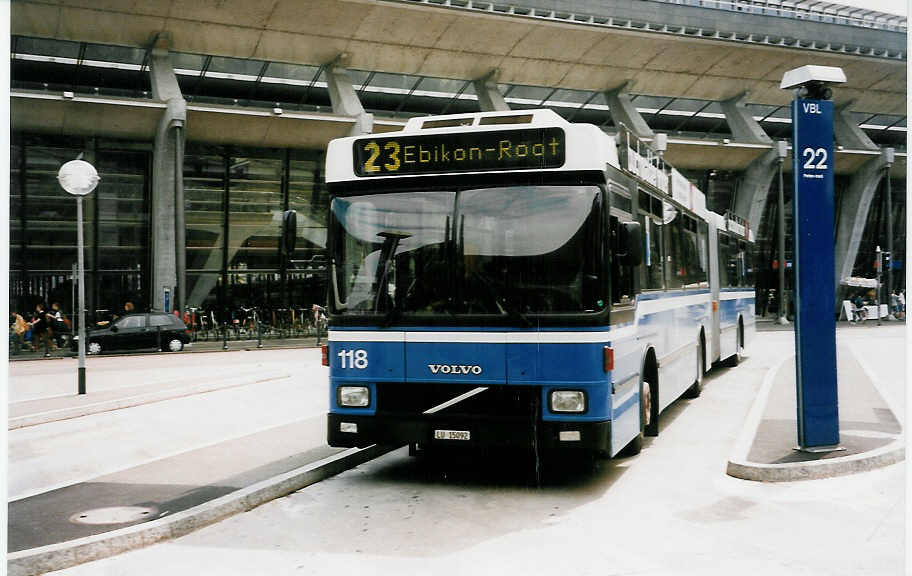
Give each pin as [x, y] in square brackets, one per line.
[670, 510]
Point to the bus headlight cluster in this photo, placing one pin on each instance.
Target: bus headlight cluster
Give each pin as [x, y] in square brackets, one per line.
[568, 401]
[354, 396]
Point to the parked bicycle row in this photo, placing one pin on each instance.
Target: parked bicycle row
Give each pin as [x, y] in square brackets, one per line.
[250, 323]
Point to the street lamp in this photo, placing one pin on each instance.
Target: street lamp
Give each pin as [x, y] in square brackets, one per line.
[79, 178]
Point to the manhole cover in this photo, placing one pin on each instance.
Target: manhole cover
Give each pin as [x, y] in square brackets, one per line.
[114, 515]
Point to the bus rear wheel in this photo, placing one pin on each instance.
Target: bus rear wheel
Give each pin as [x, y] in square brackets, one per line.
[735, 358]
[697, 387]
[651, 409]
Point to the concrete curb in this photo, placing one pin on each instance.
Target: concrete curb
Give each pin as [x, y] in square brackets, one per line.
[137, 400]
[740, 467]
[67, 554]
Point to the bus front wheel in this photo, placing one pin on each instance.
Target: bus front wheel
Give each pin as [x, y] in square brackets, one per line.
[635, 446]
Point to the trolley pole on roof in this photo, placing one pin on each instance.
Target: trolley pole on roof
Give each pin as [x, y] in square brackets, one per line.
[813, 255]
[79, 178]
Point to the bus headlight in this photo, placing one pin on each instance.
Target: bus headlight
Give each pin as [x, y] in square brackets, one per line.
[568, 401]
[354, 396]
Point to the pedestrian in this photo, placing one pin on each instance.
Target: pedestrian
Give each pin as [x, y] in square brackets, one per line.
[127, 309]
[762, 301]
[859, 312]
[18, 328]
[901, 303]
[58, 325]
[40, 329]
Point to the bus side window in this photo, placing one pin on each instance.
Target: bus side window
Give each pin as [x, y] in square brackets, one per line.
[676, 265]
[651, 225]
[621, 276]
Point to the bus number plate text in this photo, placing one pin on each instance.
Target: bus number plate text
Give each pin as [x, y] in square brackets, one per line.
[452, 435]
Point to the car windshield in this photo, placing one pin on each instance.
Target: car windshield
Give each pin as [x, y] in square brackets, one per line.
[132, 322]
[507, 251]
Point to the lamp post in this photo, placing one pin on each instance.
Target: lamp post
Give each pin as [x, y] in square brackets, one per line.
[781, 153]
[79, 178]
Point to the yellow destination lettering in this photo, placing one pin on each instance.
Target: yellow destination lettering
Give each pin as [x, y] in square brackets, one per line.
[374, 150]
[393, 148]
[409, 155]
[424, 156]
[505, 146]
[522, 150]
[474, 153]
[554, 144]
[459, 154]
[538, 149]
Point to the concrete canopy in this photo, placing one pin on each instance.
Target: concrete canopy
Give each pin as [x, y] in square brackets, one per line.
[443, 42]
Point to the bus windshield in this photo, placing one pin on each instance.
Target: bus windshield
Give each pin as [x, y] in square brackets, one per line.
[507, 251]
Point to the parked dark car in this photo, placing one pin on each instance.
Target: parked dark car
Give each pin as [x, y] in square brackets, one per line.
[136, 331]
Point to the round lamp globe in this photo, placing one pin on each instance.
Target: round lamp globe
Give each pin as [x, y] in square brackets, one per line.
[78, 177]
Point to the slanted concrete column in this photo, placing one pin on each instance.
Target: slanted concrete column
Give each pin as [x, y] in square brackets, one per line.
[489, 97]
[853, 215]
[743, 126]
[345, 100]
[624, 112]
[168, 253]
[846, 131]
[753, 190]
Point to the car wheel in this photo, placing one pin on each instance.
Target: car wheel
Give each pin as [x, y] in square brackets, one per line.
[94, 348]
[175, 345]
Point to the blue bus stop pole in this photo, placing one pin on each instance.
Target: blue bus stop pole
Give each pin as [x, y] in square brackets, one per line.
[813, 250]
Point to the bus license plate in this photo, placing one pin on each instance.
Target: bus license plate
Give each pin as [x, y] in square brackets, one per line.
[452, 435]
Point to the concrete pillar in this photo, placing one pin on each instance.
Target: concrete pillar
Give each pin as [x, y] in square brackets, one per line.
[853, 215]
[753, 190]
[489, 97]
[344, 99]
[741, 123]
[168, 254]
[624, 112]
[846, 131]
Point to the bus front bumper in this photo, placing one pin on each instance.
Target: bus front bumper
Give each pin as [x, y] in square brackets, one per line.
[345, 430]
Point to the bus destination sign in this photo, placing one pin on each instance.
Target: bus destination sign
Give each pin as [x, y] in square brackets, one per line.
[460, 152]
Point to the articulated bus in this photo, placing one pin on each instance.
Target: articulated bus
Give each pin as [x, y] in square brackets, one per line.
[510, 279]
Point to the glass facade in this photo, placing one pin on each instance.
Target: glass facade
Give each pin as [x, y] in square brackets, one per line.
[234, 200]
[43, 235]
[234, 204]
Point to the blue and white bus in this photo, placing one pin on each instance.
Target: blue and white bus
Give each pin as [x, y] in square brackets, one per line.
[513, 279]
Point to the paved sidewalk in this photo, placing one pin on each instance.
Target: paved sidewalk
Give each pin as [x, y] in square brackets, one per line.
[870, 434]
[95, 517]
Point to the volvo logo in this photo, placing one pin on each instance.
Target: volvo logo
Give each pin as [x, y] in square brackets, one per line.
[455, 369]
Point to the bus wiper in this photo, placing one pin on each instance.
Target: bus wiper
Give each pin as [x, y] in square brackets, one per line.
[513, 311]
[387, 252]
[502, 303]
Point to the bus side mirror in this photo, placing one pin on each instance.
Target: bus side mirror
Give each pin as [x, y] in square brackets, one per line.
[630, 244]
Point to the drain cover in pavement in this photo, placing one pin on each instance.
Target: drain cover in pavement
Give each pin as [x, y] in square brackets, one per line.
[114, 515]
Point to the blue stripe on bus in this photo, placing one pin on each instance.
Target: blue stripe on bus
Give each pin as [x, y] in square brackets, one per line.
[632, 401]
